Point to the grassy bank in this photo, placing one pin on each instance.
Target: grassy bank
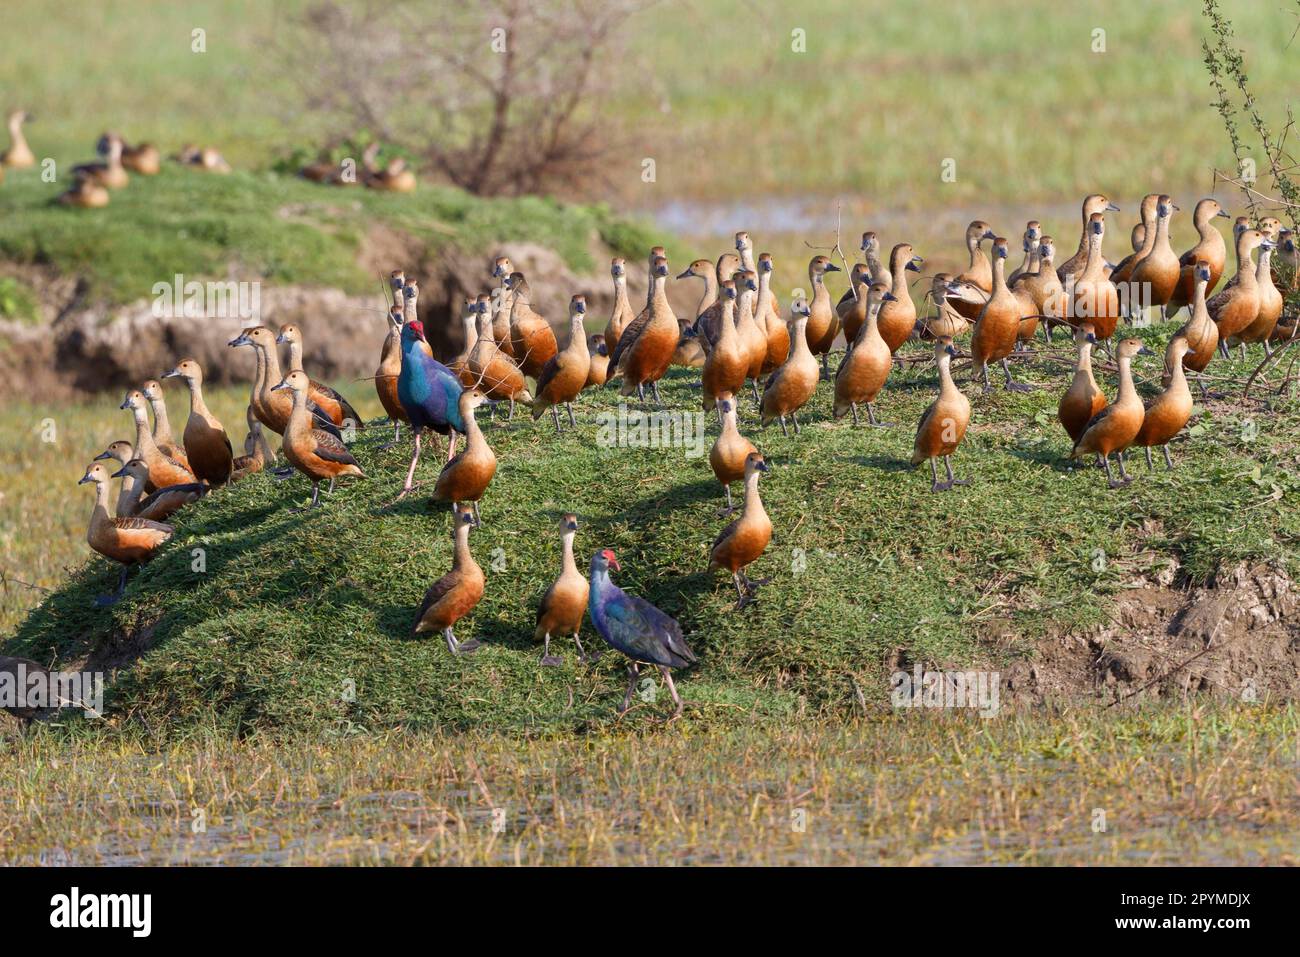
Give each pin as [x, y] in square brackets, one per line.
[1167, 785]
[290, 608]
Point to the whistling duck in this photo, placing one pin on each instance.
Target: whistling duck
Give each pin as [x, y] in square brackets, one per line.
[1169, 411]
[1083, 399]
[622, 313]
[1147, 209]
[390, 367]
[1138, 236]
[131, 541]
[502, 303]
[337, 408]
[394, 177]
[1270, 299]
[271, 407]
[160, 505]
[1237, 306]
[430, 393]
[745, 249]
[691, 349]
[466, 477]
[1287, 265]
[741, 543]
[753, 340]
[690, 352]
[163, 469]
[727, 457]
[997, 327]
[1030, 243]
[493, 370]
[1044, 288]
[410, 300]
[110, 173]
[790, 387]
[532, 340]
[257, 451]
[205, 159]
[897, 316]
[943, 425]
[769, 318]
[646, 347]
[19, 155]
[1092, 296]
[870, 249]
[162, 427]
[1157, 273]
[1096, 203]
[565, 602]
[207, 447]
[598, 350]
[727, 362]
[852, 307]
[979, 272]
[143, 159]
[867, 362]
[469, 322]
[636, 628]
[709, 311]
[454, 595]
[946, 320]
[1114, 428]
[565, 375]
[1209, 249]
[823, 325]
[1201, 333]
[85, 193]
[315, 453]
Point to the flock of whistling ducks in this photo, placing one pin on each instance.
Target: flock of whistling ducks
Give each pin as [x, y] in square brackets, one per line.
[737, 337]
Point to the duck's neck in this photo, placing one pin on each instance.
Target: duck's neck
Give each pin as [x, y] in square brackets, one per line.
[745, 306]
[474, 441]
[295, 355]
[1127, 391]
[1149, 235]
[1092, 268]
[727, 327]
[567, 564]
[753, 504]
[1263, 272]
[620, 293]
[162, 427]
[729, 427]
[976, 254]
[1199, 312]
[471, 334]
[259, 375]
[1245, 268]
[946, 385]
[411, 308]
[818, 280]
[899, 275]
[129, 495]
[197, 405]
[461, 557]
[658, 296]
[747, 259]
[578, 338]
[1177, 377]
[1084, 234]
[710, 292]
[1162, 232]
[271, 363]
[799, 340]
[99, 512]
[870, 328]
[999, 275]
[1083, 359]
[764, 288]
[144, 441]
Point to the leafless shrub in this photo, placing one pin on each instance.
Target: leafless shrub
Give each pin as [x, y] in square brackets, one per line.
[500, 98]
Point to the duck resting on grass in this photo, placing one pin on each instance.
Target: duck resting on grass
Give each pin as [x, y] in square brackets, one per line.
[636, 628]
[160, 505]
[454, 595]
[131, 541]
[315, 453]
[741, 543]
[560, 612]
[430, 394]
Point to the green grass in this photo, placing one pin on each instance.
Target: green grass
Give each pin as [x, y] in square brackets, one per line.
[865, 560]
[276, 228]
[1160, 785]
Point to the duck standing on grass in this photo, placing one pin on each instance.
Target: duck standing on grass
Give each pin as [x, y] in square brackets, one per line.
[1083, 399]
[741, 543]
[943, 425]
[131, 541]
[560, 612]
[565, 373]
[1114, 428]
[163, 469]
[207, 447]
[430, 394]
[454, 595]
[390, 367]
[790, 387]
[865, 366]
[636, 628]
[730, 450]
[1171, 409]
[162, 427]
[160, 505]
[466, 477]
[598, 350]
[337, 408]
[314, 452]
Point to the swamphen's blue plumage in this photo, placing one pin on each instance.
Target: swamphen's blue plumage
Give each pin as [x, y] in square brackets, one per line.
[635, 627]
[428, 390]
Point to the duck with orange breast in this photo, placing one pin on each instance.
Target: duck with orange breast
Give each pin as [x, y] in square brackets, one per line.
[1092, 205]
[646, 347]
[979, 272]
[1092, 297]
[565, 375]
[823, 325]
[741, 543]
[998, 326]
[1115, 427]
[943, 425]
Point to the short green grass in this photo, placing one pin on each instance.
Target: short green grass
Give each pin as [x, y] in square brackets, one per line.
[1168, 784]
[291, 608]
[276, 228]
